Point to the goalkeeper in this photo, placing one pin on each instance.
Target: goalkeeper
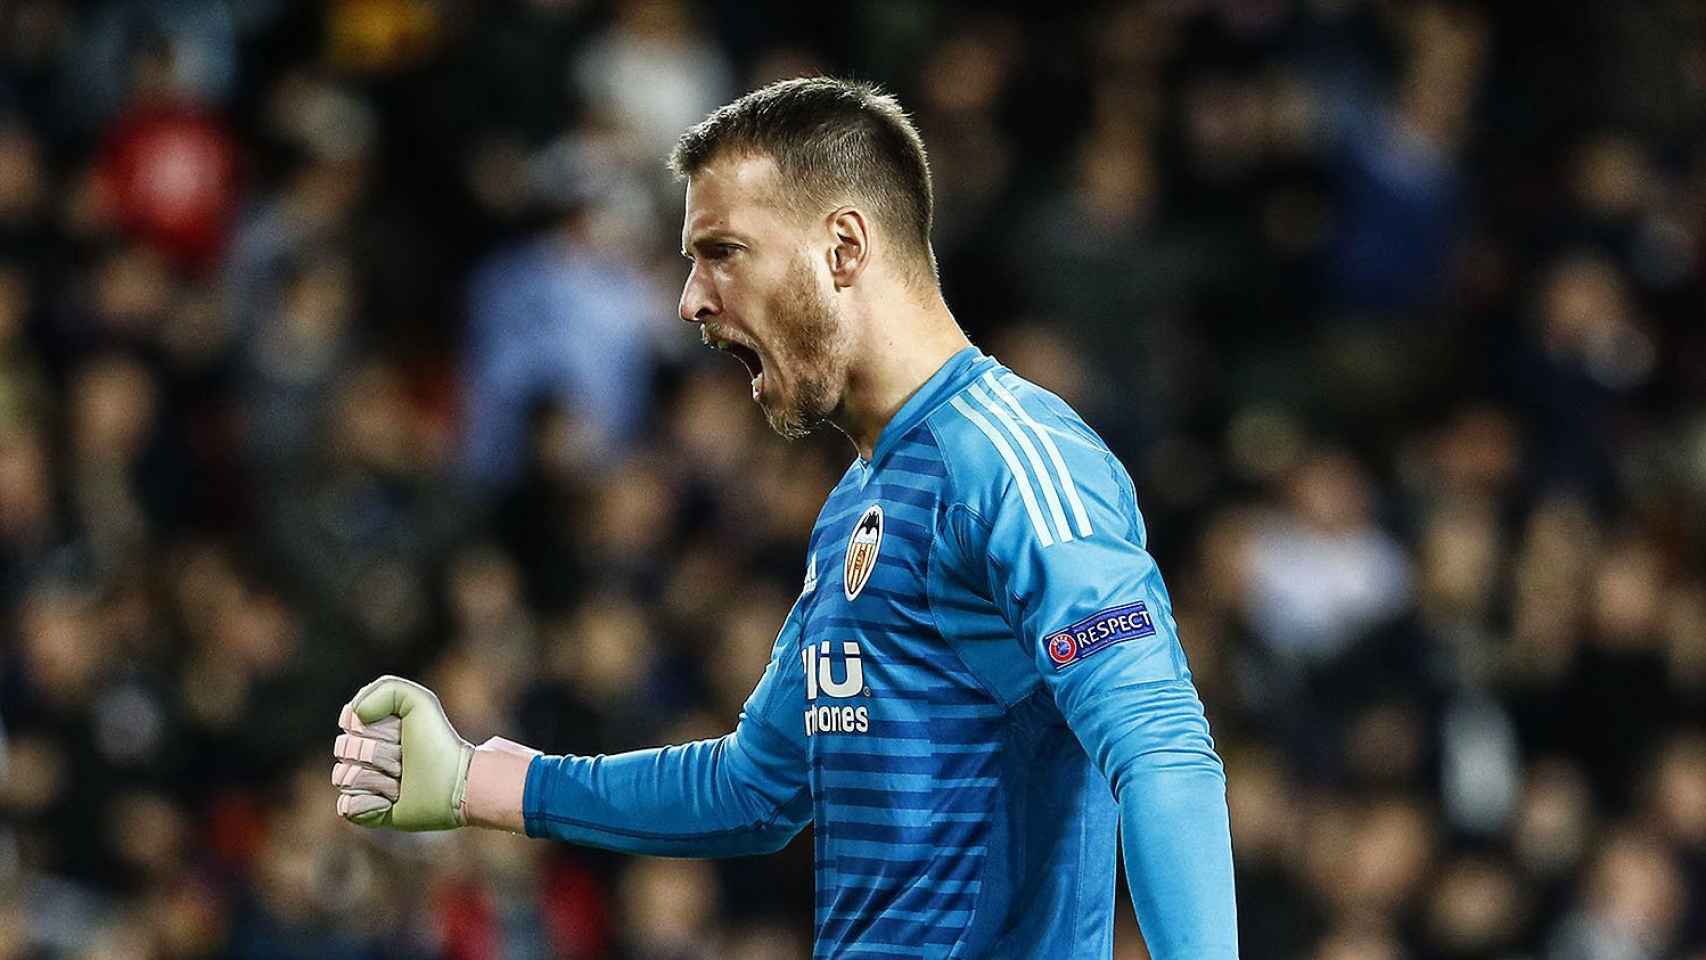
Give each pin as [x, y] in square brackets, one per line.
[979, 694]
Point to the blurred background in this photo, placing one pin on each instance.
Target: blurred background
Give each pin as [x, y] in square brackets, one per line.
[337, 338]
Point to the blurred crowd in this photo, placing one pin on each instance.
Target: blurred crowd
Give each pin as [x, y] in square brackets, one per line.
[338, 338]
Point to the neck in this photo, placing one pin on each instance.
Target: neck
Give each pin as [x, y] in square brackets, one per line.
[902, 349]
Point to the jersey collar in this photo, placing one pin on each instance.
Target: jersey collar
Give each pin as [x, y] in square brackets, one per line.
[950, 378]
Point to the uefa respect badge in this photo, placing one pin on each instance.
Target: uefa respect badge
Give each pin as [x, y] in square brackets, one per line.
[1098, 632]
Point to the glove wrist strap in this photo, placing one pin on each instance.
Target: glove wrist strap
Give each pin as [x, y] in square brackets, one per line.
[495, 784]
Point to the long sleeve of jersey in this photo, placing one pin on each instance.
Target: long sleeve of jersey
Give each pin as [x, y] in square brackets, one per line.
[743, 793]
[1055, 536]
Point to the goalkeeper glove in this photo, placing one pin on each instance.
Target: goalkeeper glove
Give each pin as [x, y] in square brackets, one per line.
[401, 764]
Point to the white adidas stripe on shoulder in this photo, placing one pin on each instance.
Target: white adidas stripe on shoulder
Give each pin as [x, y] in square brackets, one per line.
[1039, 471]
[1012, 459]
[1079, 514]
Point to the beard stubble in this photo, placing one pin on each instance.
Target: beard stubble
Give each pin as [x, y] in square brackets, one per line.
[810, 342]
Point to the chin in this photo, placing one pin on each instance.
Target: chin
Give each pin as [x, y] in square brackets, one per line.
[788, 422]
[785, 423]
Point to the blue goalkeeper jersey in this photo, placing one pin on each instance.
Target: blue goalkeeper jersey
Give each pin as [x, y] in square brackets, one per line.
[978, 690]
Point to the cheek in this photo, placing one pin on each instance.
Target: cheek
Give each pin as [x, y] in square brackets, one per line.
[746, 299]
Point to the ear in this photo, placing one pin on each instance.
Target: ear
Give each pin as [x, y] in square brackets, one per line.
[850, 247]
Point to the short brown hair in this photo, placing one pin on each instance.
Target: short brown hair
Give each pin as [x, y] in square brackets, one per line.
[834, 139]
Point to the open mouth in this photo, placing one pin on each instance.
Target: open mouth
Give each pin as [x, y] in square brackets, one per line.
[745, 354]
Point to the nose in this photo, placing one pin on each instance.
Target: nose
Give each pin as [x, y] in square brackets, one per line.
[698, 298]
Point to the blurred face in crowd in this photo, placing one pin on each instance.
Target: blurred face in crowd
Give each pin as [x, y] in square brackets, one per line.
[759, 288]
[1637, 886]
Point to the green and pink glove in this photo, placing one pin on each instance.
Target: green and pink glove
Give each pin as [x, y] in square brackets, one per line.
[402, 766]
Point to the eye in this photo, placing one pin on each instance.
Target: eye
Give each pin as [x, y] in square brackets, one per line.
[714, 252]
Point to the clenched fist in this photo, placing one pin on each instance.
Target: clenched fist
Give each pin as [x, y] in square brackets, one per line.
[401, 765]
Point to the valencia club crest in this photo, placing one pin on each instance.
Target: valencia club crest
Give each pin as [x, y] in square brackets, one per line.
[862, 550]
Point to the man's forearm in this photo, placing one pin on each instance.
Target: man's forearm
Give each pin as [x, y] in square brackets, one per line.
[732, 796]
[1178, 862]
[1152, 742]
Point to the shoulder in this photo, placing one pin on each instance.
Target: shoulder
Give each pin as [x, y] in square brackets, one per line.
[1002, 434]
